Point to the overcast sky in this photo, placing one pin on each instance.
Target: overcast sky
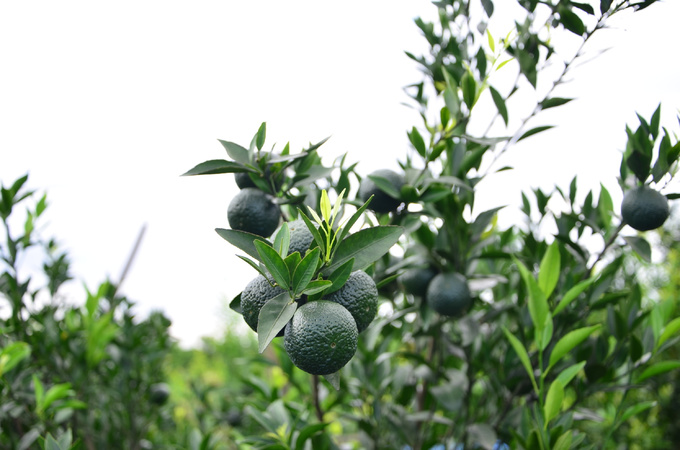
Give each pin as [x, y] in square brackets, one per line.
[107, 103]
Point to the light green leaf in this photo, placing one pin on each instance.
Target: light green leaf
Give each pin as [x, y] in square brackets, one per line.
[571, 295]
[12, 355]
[570, 372]
[549, 271]
[334, 380]
[325, 205]
[492, 44]
[523, 356]
[553, 401]
[215, 166]
[316, 286]
[669, 330]
[236, 152]
[564, 441]
[640, 246]
[39, 393]
[657, 369]
[568, 342]
[274, 264]
[282, 240]
[538, 305]
[57, 392]
[274, 315]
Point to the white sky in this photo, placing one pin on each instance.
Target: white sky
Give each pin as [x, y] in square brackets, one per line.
[106, 104]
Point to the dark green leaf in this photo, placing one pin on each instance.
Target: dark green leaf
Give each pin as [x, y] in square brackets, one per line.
[352, 220]
[481, 63]
[306, 433]
[452, 102]
[261, 136]
[235, 304]
[340, 276]
[317, 286]
[417, 141]
[535, 131]
[292, 262]
[236, 152]
[523, 356]
[469, 87]
[605, 5]
[242, 240]
[255, 266]
[584, 7]
[554, 102]
[571, 21]
[365, 246]
[639, 163]
[385, 186]
[274, 315]
[654, 124]
[215, 166]
[274, 264]
[488, 7]
[568, 342]
[304, 272]
[640, 246]
[657, 369]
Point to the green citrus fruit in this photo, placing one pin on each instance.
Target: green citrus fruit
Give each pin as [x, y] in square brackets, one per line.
[381, 203]
[253, 298]
[321, 337]
[159, 393]
[253, 211]
[360, 296]
[448, 294]
[644, 209]
[300, 237]
[416, 280]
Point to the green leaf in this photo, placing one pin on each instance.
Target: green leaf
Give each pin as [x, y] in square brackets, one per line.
[538, 305]
[571, 21]
[325, 206]
[261, 136]
[39, 392]
[657, 369]
[274, 264]
[365, 246]
[274, 315]
[605, 206]
[492, 44]
[523, 356]
[488, 9]
[500, 104]
[554, 102]
[56, 392]
[570, 372]
[451, 100]
[549, 271]
[52, 444]
[282, 239]
[535, 131]
[469, 87]
[564, 441]
[316, 286]
[215, 166]
[640, 246]
[417, 141]
[304, 272]
[334, 380]
[292, 262]
[553, 401]
[605, 5]
[242, 240]
[306, 433]
[635, 410]
[340, 276]
[352, 220]
[236, 152]
[669, 330]
[571, 294]
[235, 304]
[568, 342]
[639, 163]
[12, 355]
[255, 266]
[385, 186]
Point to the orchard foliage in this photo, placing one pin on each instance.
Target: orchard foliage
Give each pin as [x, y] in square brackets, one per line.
[559, 315]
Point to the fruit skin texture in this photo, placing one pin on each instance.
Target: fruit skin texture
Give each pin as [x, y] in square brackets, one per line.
[644, 209]
[159, 393]
[300, 237]
[416, 280]
[359, 295]
[321, 337]
[253, 211]
[448, 294]
[254, 296]
[381, 203]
